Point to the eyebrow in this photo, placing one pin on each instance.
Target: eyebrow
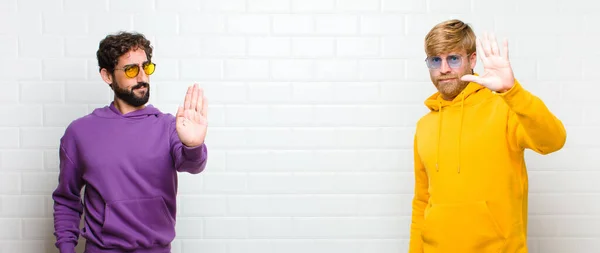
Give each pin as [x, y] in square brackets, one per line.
[133, 64]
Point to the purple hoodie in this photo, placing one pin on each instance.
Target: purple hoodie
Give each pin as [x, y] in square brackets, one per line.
[128, 165]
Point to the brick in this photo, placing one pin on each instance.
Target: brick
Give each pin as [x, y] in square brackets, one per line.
[180, 6]
[412, 6]
[136, 6]
[30, 24]
[209, 23]
[269, 6]
[42, 92]
[9, 46]
[269, 47]
[338, 70]
[199, 69]
[295, 70]
[10, 183]
[336, 24]
[65, 24]
[223, 46]
[358, 5]
[357, 47]
[269, 92]
[248, 24]
[87, 92]
[64, 69]
[286, 24]
[382, 24]
[87, 6]
[313, 6]
[223, 6]
[156, 24]
[232, 228]
[21, 115]
[380, 70]
[245, 69]
[41, 137]
[313, 47]
[461, 6]
[100, 26]
[32, 6]
[21, 69]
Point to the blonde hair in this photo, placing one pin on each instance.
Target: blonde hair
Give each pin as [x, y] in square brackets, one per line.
[450, 35]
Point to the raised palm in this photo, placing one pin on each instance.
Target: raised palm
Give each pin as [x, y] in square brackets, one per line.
[191, 118]
[497, 73]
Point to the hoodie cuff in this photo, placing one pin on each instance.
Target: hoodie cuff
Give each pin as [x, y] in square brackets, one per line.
[517, 98]
[66, 247]
[195, 154]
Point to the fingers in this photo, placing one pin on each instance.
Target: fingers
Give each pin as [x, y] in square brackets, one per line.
[194, 101]
[188, 98]
[505, 49]
[204, 111]
[199, 103]
[479, 49]
[487, 49]
[494, 45]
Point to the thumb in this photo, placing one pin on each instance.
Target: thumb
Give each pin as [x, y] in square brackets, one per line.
[179, 112]
[472, 78]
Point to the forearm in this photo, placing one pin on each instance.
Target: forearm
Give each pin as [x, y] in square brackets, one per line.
[67, 204]
[419, 203]
[416, 226]
[536, 127]
[191, 159]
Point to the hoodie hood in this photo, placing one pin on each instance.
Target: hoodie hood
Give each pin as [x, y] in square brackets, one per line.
[111, 111]
[436, 103]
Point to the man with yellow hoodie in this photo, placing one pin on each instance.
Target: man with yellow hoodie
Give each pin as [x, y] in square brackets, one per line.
[471, 183]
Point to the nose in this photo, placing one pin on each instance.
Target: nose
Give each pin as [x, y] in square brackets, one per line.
[142, 77]
[445, 68]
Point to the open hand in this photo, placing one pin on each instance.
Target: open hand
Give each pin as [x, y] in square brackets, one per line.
[497, 73]
[191, 118]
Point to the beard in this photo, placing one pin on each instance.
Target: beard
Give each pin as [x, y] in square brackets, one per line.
[450, 88]
[129, 96]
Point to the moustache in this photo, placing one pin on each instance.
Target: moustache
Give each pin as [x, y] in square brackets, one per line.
[441, 78]
[140, 85]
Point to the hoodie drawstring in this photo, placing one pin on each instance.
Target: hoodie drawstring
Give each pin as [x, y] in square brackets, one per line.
[462, 113]
[437, 158]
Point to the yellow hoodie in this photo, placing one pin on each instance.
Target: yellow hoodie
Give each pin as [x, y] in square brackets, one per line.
[471, 182]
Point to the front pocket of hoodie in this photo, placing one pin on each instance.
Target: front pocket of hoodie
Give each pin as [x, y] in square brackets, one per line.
[465, 228]
[134, 223]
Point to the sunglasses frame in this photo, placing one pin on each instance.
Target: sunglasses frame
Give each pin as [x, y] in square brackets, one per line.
[136, 66]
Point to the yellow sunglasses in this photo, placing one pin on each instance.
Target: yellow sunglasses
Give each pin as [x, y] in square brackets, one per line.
[133, 70]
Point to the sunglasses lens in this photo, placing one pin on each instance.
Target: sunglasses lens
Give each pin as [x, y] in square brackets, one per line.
[454, 61]
[434, 62]
[132, 71]
[149, 68]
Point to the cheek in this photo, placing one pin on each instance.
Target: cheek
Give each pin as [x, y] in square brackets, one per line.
[125, 83]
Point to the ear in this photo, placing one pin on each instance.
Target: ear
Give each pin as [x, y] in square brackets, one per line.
[473, 60]
[107, 77]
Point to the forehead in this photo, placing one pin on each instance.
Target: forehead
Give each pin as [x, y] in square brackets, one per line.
[135, 56]
[463, 52]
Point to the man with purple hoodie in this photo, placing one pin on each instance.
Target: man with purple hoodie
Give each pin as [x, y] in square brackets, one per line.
[127, 155]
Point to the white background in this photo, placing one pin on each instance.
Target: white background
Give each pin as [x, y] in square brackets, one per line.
[312, 111]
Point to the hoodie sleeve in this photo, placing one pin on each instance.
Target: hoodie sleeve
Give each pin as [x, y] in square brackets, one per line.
[187, 159]
[531, 124]
[67, 200]
[420, 200]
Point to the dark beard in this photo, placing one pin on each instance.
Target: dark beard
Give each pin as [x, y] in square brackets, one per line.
[129, 97]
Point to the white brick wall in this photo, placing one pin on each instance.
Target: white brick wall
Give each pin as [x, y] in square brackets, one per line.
[313, 104]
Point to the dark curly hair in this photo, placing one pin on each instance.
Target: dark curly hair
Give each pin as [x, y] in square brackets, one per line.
[115, 45]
